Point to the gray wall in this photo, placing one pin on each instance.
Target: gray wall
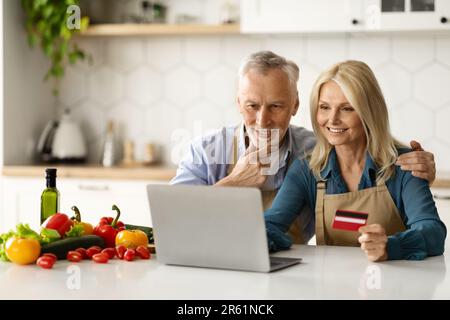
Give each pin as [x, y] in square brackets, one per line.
[27, 101]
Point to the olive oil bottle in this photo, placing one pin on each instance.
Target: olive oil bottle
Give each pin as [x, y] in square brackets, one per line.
[50, 196]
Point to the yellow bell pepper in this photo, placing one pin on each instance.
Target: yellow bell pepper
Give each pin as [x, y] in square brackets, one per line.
[131, 239]
[87, 227]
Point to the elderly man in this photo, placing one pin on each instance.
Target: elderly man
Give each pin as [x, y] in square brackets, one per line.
[243, 155]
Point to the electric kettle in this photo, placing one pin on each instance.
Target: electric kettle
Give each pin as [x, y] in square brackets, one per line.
[62, 141]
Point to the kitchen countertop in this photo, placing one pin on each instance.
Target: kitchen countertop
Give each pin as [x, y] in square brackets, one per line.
[165, 173]
[94, 172]
[326, 273]
[442, 180]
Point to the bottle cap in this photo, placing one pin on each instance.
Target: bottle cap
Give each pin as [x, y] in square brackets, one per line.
[51, 172]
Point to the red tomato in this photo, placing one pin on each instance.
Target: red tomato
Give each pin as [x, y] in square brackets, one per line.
[45, 262]
[100, 258]
[93, 250]
[52, 255]
[120, 251]
[82, 251]
[74, 256]
[143, 252]
[129, 254]
[111, 252]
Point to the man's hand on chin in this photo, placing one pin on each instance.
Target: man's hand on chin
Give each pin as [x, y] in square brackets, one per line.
[248, 171]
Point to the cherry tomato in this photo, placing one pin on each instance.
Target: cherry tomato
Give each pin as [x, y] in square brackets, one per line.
[51, 255]
[129, 254]
[45, 262]
[74, 256]
[82, 251]
[111, 252]
[100, 258]
[143, 252]
[120, 251]
[93, 250]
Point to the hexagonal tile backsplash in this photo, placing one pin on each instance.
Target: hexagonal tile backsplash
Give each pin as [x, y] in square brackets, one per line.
[156, 88]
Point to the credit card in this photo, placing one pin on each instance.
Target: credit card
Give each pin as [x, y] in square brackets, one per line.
[349, 220]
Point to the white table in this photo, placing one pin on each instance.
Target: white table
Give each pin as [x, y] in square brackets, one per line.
[326, 273]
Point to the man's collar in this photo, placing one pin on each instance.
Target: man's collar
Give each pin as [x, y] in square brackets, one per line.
[286, 147]
[242, 145]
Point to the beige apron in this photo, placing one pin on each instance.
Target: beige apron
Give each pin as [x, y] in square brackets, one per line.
[295, 230]
[375, 201]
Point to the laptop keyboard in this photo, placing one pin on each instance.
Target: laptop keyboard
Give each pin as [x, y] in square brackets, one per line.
[276, 261]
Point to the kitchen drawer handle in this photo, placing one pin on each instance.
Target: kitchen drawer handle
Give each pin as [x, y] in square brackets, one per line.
[93, 188]
[437, 196]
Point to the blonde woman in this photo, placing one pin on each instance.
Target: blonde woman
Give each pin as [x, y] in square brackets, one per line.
[361, 198]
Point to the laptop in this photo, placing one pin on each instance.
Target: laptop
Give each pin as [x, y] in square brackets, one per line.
[211, 227]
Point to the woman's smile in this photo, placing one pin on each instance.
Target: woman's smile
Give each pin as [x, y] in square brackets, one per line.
[337, 130]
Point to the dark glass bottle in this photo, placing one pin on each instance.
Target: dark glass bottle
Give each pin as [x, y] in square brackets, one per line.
[50, 196]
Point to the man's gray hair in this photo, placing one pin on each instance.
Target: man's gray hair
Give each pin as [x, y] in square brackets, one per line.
[263, 61]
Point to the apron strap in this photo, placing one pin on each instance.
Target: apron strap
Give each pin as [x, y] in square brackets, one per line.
[235, 149]
[320, 227]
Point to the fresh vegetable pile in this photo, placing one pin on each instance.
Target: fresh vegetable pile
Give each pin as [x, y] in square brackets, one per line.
[61, 237]
[97, 254]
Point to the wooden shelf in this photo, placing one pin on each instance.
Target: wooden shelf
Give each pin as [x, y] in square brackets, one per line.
[156, 172]
[159, 29]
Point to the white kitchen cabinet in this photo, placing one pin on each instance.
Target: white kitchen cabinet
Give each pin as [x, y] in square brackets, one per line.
[407, 15]
[94, 198]
[285, 16]
[302, 16]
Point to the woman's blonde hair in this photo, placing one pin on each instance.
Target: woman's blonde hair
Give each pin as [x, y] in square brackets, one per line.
[360, 87]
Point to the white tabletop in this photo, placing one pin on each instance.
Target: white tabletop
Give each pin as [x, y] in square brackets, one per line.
[325, 273]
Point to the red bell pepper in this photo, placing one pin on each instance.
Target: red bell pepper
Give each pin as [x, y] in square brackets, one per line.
[108, 228]
[59, 222]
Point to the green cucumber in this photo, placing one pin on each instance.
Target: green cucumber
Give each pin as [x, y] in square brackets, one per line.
[61, 247]
[147, 230]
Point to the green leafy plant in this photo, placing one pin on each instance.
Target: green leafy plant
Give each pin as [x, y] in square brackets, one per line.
[47, 25]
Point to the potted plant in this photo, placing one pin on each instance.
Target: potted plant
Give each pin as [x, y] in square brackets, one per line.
[47, 25]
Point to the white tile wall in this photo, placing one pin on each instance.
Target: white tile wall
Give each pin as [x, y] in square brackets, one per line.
[158, 86]
[423, 52]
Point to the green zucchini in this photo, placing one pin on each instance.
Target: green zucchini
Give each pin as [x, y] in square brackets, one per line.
[61, 247]
[147, 230]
